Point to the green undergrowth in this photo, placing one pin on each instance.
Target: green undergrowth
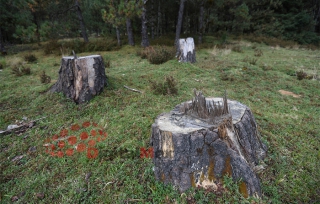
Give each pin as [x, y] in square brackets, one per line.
[289, 126]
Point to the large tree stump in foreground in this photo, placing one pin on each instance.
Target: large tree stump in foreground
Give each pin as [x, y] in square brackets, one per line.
[80, 79]
[186, 50]
[200, 141]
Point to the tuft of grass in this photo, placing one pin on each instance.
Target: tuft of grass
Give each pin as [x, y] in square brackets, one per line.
[258, 52]
[45, 79]
[168, 87]
[156, 54]
[237, 49]
[30, 58]
[252, 61]
[3, 63]
[20, 70]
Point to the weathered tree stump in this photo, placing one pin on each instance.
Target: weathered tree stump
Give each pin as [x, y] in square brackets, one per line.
[80, 79]
[200, 141]
[186, 50]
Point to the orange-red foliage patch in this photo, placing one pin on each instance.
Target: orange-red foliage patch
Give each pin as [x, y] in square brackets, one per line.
[61, 144]
[86, 124]
[72, 140]
[92, 153]
[81, 147]
[63, 132]
[93, 133]
[55, 137]
[84, 135]
[75, 127]
[60, 154]
[92, 143]
[69, 152]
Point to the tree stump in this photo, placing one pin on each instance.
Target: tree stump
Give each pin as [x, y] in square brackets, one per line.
[80, 79]
[200, 141]
[186, 50]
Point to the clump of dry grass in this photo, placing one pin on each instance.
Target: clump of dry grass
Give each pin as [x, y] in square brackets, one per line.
[168, 87]
[258, 53]
[45, 79]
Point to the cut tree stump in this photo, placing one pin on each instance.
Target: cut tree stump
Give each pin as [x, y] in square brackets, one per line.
[200, 141]
[186, 50]
[80, 79]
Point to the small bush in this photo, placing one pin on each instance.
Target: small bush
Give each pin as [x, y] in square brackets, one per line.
[226, 76]
[237, 49]
[21, 70]
[160, 55]
[258, 53]
[302, 75]
[168, 87]
[45, 79]
[252, 61]
[266, 67]
[30, 58]
[52, 47]
[107, 64]
[156, 55]
[3, 63]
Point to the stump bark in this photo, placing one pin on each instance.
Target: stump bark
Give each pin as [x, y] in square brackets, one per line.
[200, 141]
[186, 50]
[80, 79]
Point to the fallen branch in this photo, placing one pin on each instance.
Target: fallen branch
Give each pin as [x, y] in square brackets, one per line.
[131, 89]
[21, 128]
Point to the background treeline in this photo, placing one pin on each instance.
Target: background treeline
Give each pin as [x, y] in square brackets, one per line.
[23, 21]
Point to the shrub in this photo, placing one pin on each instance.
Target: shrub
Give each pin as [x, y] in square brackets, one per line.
[237, 49]
[168, 87]
[258, 53]
[252, 61]
[45, 79]
[302, 75]
[51, 47]
[3, 63]
[30, 58]
[21, 70]
[157, 54]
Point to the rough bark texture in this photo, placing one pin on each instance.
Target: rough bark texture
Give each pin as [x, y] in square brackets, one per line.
[80, 79]
[129, 31]
[189, 151]
[144, 29]
[186, 50]
[82, 25]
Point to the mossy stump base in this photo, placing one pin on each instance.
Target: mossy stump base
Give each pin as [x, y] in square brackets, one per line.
[82, 78]
[192, 152]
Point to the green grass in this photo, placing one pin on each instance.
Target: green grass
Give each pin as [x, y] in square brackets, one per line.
[290, 126]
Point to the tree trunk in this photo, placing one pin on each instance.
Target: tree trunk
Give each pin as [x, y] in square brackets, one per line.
[2, 48]
[80, 79]
[179, 23]
[129, 31]
[82, 25]
[144, 29]
[199, 142]
[158, 33]
[186, 50]
[118, 36]
[152, 19]
[201, 29]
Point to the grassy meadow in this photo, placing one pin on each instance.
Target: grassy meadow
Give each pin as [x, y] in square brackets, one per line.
[251, 73]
